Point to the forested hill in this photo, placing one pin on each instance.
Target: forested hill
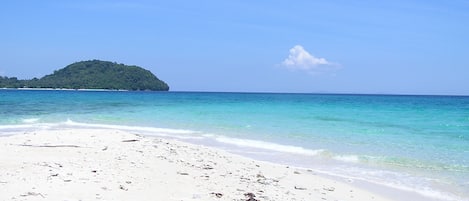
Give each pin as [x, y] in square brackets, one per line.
[93, 74]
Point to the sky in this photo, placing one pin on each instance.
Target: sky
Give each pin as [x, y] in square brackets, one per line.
[296, 46]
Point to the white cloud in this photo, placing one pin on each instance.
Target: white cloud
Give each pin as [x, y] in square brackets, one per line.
[300, 59]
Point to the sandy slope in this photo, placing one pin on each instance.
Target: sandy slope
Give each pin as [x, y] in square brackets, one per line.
[98, 164]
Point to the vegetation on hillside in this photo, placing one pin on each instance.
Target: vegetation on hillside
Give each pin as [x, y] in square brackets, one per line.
[93, 74]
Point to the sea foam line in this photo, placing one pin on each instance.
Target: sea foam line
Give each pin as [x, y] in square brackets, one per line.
[132, 128]
[268, 146]
[15, 126]
[30, 120]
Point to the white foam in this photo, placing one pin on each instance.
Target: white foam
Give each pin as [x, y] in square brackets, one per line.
[30, 120]
[208, 135]
[14, 126]
[148, 130]
[268, 146]
[347, 158]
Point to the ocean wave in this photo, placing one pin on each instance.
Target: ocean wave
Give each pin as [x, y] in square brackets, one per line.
[147, 130]
[8, 127]
[268, 146]
[32, 124]
[398, 162]
[30, 120]
[347, 158]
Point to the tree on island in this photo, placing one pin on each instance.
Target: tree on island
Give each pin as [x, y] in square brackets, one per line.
[93, 74]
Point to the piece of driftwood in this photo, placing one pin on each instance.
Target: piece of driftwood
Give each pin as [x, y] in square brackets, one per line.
[32, 194]
[300, 188]
[218, 195]
[129, 140]
[51, 146]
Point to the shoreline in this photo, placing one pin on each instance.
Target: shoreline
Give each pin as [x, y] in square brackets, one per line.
[60, 89]
[111, 164]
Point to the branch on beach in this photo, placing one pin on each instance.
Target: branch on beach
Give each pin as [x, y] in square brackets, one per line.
[32, 194]
[51, 146]
[130, 140]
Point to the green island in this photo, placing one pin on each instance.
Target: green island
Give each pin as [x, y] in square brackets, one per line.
[93, 74]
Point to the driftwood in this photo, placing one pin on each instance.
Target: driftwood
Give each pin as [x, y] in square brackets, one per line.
[300, 188]
[218, 195]
[32, 194]
[50, 146]
[130, 140]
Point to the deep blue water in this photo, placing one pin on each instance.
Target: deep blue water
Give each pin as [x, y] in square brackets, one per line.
[418, 143]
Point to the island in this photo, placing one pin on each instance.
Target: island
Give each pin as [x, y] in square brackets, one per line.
[93, 74]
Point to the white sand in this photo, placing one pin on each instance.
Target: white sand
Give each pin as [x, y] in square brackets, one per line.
[98, 164]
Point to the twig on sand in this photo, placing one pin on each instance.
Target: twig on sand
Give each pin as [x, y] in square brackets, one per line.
[300, 188]
[129, 140]
[49, 146]
[32, 194]
[218, 195]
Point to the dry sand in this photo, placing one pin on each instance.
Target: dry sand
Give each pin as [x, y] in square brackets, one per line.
[103, 164]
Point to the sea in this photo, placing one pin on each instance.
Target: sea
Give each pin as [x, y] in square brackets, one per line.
[417, 144]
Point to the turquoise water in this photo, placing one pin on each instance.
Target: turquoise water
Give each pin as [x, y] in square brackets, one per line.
[414, 143]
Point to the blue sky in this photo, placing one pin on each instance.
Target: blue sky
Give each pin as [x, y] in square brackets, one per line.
[337, 46]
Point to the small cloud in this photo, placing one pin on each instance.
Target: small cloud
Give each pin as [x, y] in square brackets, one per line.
[300, 59]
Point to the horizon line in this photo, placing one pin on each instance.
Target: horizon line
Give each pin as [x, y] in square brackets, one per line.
[241, 92]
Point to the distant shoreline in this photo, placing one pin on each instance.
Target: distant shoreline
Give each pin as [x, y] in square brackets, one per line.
[61, 89]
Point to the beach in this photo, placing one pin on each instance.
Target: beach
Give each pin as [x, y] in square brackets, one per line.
[108, 164]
